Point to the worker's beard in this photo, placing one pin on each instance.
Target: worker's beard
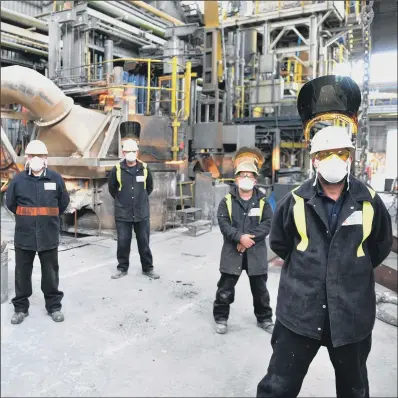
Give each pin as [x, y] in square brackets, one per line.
[332, 171]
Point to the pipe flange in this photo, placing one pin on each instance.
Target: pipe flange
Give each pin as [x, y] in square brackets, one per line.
[62, 116]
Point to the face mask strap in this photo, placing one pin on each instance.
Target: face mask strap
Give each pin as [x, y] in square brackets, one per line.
[316, 178]
[348, 173]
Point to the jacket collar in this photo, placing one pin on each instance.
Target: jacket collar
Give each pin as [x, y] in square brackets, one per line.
[257, 194]
[47, 176]
[123, 164]
[358, 190]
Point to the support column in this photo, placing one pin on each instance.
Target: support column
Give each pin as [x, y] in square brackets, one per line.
[314, 44]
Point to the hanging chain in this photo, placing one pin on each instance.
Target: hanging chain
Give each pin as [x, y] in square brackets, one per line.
[367, 15]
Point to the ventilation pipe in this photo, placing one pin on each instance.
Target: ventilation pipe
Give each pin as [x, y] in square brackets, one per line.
[65, 128]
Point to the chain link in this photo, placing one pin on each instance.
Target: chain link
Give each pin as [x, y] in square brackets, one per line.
[367, 16]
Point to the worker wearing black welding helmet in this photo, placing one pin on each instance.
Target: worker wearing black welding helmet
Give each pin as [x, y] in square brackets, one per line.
[331, 232]
[130, 183]
[37, 197]
[244, 217]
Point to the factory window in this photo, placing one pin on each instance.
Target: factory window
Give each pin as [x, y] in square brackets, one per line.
[130, 129]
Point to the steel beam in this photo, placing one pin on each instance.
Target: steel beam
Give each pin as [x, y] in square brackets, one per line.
[290, 50]
[334, 39]
[289, 23]
[180, 31]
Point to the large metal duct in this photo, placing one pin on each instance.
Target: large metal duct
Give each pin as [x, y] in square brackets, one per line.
[66, 129]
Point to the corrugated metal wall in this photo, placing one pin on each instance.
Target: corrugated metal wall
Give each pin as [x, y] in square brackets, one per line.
[32, 9]
[26, 7]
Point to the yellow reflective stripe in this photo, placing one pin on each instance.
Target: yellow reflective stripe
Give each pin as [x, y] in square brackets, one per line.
[145, 172]
[262, 203]
[228, 199]
[299, 219]
[119, 176]
[367, 221]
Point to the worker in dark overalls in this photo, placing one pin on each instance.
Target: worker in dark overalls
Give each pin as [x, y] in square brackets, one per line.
[130, 184]
[244, 217]
[331, 232]
[37, 197]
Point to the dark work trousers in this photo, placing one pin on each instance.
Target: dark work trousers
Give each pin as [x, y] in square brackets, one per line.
[293, 354]
[225, 296]
[49, 279]
[124, 236]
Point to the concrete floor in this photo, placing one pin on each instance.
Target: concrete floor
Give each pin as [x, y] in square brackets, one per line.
[137, 337]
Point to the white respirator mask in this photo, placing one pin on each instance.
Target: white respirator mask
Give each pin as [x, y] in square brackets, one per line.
[131, 156]
[246, 184]
[36, 164]
[333, 169]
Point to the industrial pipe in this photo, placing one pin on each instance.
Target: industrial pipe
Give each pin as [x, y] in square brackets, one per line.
[16, 46]
[110, 9]
[67, 128]
[157, 12]
[108, 51]
[23, 19]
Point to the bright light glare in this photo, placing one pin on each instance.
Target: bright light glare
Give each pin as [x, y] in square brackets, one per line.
[383, 68]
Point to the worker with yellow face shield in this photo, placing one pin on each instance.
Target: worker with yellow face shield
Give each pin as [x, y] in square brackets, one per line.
[331, 232]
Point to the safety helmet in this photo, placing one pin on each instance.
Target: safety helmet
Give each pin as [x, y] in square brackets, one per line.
[129, 145]
[331, 137]
[36, 147]
[246, 166]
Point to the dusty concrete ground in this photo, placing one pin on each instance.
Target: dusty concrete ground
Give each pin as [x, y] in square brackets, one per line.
[137, 337]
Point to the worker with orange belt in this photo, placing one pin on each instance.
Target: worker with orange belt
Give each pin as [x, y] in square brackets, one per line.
[37, 197]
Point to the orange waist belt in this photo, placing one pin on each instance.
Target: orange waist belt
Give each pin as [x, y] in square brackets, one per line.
[37, 211]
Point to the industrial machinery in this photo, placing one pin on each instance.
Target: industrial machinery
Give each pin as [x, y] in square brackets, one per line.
[191, 89]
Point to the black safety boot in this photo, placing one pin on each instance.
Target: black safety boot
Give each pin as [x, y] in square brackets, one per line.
[118, 274]
[267, 325]
[221, 327]
[19, 317]
[57, 316]
[151, 275]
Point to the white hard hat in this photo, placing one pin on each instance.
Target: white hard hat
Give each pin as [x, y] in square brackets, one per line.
[130, 146]
[331, 137]
[36, 147]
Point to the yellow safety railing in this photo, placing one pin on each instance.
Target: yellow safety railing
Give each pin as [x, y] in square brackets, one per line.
[112, 93]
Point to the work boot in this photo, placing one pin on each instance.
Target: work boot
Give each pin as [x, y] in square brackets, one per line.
[57, 316]
[221, 327]
[19, 317]
[151, 275]
[118, 274]
[267, 325]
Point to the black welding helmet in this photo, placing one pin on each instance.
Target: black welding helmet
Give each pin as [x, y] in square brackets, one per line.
[327, 98]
